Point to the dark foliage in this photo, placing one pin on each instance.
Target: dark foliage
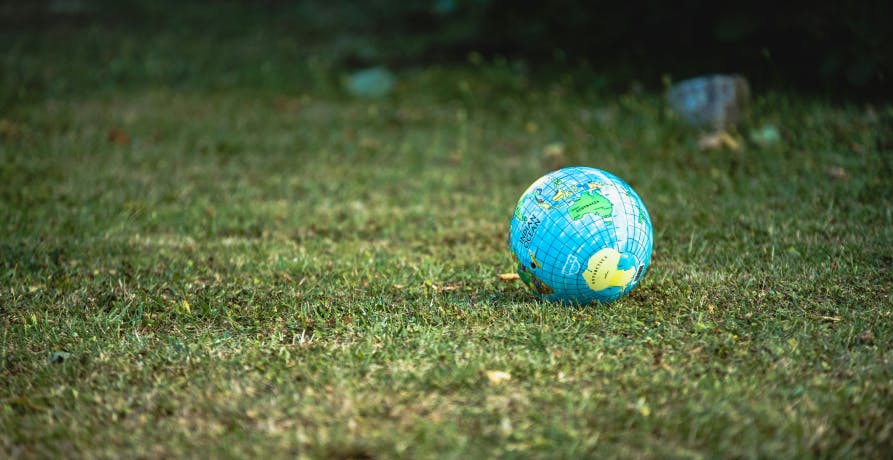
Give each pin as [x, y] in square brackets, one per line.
[837, 47]
[834, 46]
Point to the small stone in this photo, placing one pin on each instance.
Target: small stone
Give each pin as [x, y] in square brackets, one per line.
[766, 135]
[713, 102]
[372, 82]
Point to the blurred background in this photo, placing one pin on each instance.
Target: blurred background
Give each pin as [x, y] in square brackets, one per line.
[838, 49]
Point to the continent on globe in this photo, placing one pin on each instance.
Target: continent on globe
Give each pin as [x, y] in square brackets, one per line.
[591, 203]
[602, 272]
[533, 262]
[518, 214]
[530, 279]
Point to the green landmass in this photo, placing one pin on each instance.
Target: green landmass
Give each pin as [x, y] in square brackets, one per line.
[517, 213]
[591, 203]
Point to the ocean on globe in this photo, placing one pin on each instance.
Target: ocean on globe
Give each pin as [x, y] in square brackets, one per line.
[581, 235]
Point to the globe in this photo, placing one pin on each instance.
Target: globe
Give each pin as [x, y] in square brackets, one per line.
[581, 235]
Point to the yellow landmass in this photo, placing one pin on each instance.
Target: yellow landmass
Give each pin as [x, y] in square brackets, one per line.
[536, 263]
[602, 273]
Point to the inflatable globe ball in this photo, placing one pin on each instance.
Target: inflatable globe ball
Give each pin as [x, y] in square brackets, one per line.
[581, 235]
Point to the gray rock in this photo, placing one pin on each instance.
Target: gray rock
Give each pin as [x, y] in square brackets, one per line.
[714, 102]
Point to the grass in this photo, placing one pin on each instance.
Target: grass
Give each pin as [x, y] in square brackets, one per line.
[237, 264]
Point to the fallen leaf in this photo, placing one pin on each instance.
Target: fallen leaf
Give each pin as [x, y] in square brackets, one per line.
[445, 287]
[717, 141]
[642, 406]
[118, 137]
[832, 319]
[658, 357]
[553, 156]
[509, 276]
[498, 377]
[505, 426]
[866, 337]
[10, 129]
[836, 172]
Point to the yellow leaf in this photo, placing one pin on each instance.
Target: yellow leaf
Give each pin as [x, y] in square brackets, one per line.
[498, 377]
[643, 408]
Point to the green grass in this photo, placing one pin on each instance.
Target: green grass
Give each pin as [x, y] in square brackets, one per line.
[241, 265]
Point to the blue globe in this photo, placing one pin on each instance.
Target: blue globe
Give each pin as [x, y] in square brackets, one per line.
[581, 235]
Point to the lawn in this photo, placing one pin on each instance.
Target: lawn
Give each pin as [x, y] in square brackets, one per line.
[211, 254]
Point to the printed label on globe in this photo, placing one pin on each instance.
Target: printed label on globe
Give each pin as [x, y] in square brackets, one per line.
[530, 227]
[602, 272]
